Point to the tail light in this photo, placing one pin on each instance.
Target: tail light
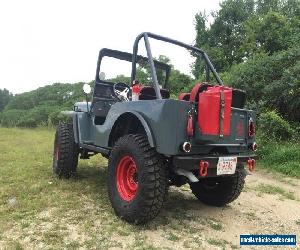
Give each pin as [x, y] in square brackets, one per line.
[251, 128]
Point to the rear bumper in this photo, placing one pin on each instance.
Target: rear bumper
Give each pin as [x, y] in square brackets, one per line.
[192, 162]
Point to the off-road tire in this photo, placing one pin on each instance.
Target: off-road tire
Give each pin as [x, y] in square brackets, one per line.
[65, 153]
[151, 180]
[219, 191]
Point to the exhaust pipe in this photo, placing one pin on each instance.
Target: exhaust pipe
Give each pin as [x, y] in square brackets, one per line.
[187, 174]
[186, 147]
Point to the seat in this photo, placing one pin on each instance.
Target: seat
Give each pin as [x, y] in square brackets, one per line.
[194, 95]
[148, 93]
[184, 96]
[198, 88]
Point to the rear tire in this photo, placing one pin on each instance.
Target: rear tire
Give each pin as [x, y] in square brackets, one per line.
[219, 191]
[137, 179]
[65, 154]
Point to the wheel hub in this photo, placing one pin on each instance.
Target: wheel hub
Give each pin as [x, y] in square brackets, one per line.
[127, 178]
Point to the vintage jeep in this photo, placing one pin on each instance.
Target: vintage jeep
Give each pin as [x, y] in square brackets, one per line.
[205, 138]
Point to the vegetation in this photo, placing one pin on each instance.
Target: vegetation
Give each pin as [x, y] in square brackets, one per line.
[270, 189]
[41, 106]
[254, 44]
[280, 156]
[278, 129]
[5, 96]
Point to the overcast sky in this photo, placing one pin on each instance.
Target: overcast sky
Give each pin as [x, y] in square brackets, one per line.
[43, 42]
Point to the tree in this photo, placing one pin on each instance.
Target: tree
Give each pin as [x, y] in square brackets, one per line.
[222, 40]
[5, 96]
[241, 28]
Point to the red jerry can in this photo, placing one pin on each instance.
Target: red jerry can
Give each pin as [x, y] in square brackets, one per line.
[212, 103]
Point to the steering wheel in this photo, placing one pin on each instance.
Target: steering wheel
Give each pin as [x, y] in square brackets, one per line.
[122, 91]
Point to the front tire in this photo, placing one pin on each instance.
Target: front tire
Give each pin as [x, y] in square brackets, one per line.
[219, 191]
[65, 153]
[137, 179]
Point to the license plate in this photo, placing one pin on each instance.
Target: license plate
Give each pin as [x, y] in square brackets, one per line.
[226, 165]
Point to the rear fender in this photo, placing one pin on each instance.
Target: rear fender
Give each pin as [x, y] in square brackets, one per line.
[140, 119]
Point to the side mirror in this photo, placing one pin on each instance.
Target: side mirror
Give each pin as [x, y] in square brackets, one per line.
[87, 88]
[102, 76]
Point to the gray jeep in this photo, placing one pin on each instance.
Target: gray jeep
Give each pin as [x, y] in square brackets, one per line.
[204, 138]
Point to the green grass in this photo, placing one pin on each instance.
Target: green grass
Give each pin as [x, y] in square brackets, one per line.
[217, 242]
[172, 237]
[270, 189]
[214, 224]
[283, 157]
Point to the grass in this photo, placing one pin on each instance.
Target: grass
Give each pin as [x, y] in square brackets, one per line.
[214, 224]
[172, 237]
[283, 157]
[217, 242]
[40, 211]
[270, 189]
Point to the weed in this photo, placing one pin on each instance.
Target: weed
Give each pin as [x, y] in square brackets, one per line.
[270, 189]
[217, 242]
[172, 237]
[214, 224]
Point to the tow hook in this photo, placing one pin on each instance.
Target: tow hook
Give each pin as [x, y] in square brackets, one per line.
[203, 168]
[251, 164]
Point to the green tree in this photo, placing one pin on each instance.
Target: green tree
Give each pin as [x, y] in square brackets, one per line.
[223, 38]
[5, 96]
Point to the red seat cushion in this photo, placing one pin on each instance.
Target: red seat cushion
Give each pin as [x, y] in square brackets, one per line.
[198, 88]
[184, 96]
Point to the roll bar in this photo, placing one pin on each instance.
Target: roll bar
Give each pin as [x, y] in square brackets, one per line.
[146, 35]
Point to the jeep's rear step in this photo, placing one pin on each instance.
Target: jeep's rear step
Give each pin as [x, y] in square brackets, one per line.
[192, 162]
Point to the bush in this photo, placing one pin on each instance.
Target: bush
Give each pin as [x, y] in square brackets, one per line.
[282, 157]
[272, 126]
[11, 118]
[271, 82]
[56, 117]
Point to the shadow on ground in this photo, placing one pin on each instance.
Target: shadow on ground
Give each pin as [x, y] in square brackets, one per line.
[180, 205]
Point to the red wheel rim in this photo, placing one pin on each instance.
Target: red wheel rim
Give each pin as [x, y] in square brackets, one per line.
[127, 183]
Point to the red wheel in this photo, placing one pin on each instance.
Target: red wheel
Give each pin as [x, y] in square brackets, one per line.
[127, 184]
[137, 179]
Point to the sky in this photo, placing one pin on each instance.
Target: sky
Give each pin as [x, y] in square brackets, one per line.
[42, 42]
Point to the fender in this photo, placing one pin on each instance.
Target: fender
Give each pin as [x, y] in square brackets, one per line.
[144, 123]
